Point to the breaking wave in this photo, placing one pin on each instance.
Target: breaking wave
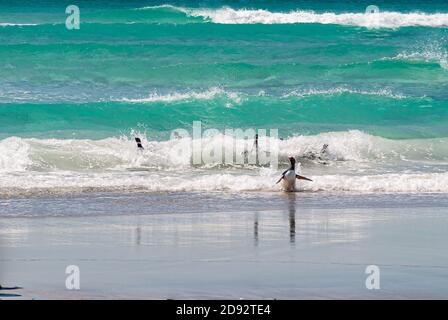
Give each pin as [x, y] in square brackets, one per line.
[341, 90]
[227, 15]
[6, 24]
[20, 154]
[192, 95]
[57, 183]
[115, 164]
[430, 54]
[238, 97]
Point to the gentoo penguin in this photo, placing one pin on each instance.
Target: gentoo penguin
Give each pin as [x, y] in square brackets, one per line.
[139, 143]
[289, 177]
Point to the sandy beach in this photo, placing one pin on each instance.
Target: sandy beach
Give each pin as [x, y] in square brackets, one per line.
[218, 245]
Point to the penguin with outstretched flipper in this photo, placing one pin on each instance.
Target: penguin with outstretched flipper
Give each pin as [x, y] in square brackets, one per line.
[289, 177]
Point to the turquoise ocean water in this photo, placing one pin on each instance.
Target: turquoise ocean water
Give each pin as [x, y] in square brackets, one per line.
[372, 86]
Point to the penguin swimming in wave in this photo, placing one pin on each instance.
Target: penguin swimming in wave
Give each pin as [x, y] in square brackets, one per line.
[139, 143]
[321, 157]
[289, 177]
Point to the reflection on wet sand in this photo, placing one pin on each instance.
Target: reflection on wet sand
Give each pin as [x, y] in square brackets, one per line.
[9, 295]
[138, 235]
[10, 290]
[291, 201]
[292, 217]
[256, 229]
[207, 254]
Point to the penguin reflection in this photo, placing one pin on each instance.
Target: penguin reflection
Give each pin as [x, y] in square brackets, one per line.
[256, 230]
[292, 217]
[138, 235]
[292, 220]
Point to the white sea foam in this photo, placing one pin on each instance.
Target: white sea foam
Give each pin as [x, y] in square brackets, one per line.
[239, 97]
[227, 15]
[403, 182]
[341, 90]
[14, 155]
[429, 54]
[12, 184]
[162, 6]
[6, 24]
[36, 165]
[17, 154]
[209, 94]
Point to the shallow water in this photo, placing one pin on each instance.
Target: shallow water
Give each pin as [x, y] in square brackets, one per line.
[116, 204]
[234, 246]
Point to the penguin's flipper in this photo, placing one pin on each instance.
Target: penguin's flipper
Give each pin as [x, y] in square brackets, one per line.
[281, 178]
[302, 177]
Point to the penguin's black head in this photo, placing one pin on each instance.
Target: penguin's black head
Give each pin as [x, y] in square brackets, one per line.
[292, 161]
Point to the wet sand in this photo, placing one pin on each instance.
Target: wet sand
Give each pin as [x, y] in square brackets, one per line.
[218, 245]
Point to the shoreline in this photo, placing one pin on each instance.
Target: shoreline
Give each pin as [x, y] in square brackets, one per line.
[306, 248]
[148, 203]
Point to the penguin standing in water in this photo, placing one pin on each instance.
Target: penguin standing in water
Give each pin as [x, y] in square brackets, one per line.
[289, 177]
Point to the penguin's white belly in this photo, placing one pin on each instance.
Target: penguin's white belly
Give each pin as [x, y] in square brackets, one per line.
[289, 181]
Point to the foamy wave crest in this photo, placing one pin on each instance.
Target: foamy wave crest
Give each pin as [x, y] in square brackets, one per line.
[14, 155]
[157, 182]
[428, 182]
[430, 54]
[354, 162]
[131, 181]
[45, 155]
[162, 6]
[85, 155]
[234, 98]
[209, 94]
[228, 15]
[6, 24]
[341, 90]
